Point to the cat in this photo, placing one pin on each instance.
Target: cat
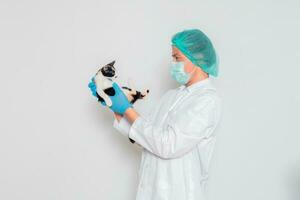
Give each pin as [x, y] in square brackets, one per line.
[104, 79]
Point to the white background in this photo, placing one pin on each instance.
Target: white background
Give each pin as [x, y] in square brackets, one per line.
[57, 142]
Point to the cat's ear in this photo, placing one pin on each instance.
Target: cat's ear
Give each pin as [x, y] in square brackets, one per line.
[112, 63]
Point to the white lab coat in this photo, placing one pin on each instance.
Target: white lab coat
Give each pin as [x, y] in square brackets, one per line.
[177, 141]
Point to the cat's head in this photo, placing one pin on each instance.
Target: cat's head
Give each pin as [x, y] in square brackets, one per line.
[108, 70]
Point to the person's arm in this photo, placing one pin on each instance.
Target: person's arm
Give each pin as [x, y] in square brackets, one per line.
[121, 124]
[184, 130]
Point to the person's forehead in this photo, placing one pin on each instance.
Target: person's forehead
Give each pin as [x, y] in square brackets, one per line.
[176, 51]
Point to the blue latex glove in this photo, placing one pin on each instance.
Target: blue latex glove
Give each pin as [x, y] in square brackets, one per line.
[120, 102]
[93, 89]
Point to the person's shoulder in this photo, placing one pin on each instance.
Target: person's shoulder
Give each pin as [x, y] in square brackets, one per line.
[207, 94]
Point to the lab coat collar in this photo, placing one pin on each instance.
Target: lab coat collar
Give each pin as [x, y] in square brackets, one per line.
[194, 86]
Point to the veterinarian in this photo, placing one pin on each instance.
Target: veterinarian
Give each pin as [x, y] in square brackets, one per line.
[178, 136]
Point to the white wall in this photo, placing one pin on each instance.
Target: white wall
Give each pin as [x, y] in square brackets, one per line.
[57, 142]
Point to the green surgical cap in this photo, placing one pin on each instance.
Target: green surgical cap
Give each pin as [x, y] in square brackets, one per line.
[197, 47]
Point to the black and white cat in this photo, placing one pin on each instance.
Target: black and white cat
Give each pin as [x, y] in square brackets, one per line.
[104, 79]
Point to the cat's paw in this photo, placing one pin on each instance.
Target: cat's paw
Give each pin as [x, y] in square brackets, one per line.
[108, 102]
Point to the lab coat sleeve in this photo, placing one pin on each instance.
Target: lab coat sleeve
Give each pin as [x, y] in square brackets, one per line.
[122, 126]
[189, 126]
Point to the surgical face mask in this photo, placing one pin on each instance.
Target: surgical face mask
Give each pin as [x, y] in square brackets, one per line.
[178, 73]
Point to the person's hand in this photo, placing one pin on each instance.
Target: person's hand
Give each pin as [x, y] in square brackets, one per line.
[120, 102]
[93, 89]
[118, 116]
